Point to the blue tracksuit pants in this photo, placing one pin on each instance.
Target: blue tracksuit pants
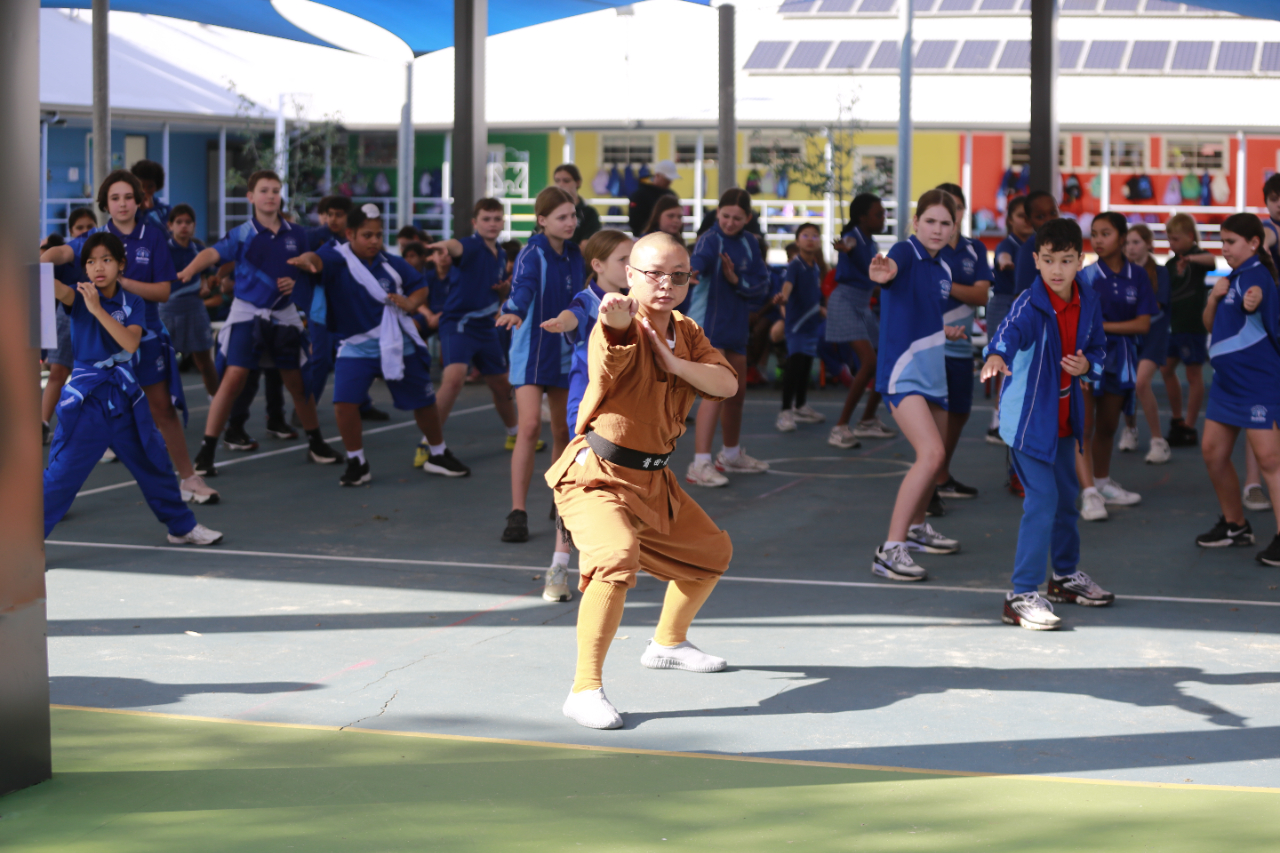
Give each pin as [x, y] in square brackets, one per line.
[1050, 522]
[315, 373]
[135, 439]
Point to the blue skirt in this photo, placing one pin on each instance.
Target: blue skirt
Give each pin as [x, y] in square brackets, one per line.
[188, 323]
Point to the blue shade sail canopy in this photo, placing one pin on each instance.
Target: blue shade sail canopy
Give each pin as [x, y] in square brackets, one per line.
[254, 16]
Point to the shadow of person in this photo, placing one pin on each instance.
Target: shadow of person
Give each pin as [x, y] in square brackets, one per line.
[110, 692]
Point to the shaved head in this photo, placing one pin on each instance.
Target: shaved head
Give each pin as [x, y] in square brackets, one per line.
[656, 249]
[657, 253]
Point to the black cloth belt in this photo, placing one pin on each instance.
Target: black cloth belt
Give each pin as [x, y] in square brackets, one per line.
[625, 456]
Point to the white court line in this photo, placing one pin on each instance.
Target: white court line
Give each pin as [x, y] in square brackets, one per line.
[282, 555]
[252, 456]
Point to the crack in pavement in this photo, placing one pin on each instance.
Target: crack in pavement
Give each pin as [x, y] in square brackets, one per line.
[397, 669]
[373, 716]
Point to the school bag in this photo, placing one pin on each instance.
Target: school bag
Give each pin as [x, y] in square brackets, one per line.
[1206, 196]
[1138, 188]
[753, 182]
[630, 183]
[1190, 188]
[615, 181]
[600, 183]
[1172, 191]
[1220, 189]
[1071, 188]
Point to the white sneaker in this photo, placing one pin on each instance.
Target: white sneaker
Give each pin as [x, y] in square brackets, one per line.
[546, 410]
[684, 656]
[1030, 611]
[196, 491]
[1255, 499]
[198, 535]
[807, 414]
[557, 585]
[109, 456]
[843, 437]
[740, 464]
[705, 474]
[1159, 452]
[1092, 507]
[591, 708]
[896, 564]
[925, 538]
[1128, 439]
[786, 421]
[1116, 495]
[872, 429]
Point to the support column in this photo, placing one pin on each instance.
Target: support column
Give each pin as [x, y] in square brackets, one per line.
[44, 179]
[470, 132]
[902, 180]
[164, 161]
[1241, 174]
[1105, 178]
[24, 668]
[404, 203]
[966, 184]
[699, 178]
[727, 151]
[101, 98]
[282, 153]
[1044, 93]
[222, 182]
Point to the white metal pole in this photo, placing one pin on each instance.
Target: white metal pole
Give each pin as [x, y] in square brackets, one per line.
[1105, 180]
[44, 179]
[164, 161]
[699, 177]
[903, 214]
[828, 198]
[1240, 172]
[566, 148]
[405, 201]
[328, 166]
[966, 184]
[222, 181]
[282, 151]
[446, 185]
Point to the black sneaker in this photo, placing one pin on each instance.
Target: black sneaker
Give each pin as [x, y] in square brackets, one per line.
[993, 436]
[446, 464]
[235, 438]
[281, 430]
[374, 414]
[321, 453]
[357, 473]
[1078, 588]
[1181, 435]
[936, 508]
[953, 488]
[1271, 556]
[46, 434]
[203, 463]
[517, 526]
[1226, 535]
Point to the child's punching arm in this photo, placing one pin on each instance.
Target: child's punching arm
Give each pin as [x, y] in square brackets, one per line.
[128, 337]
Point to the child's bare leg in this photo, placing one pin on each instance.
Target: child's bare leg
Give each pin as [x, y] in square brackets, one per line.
[1172, 387]
[1109, 407]
[1195, 393]
[1147, 396]
[1265, 447]
[919, 426]
[1219, 439]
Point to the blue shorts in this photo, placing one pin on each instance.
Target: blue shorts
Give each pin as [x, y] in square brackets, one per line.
[64, 354]
[1188, 347]
[256, 341]
[959, 385]
[802, 345]
[352, 377]
[1241, 413]
[1155, 344]
[895, 400]
[1110, 384]
[473, 345]
[188, 323]
[153, 359]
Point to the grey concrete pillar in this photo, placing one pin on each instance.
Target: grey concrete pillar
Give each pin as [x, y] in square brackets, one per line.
[470, 132]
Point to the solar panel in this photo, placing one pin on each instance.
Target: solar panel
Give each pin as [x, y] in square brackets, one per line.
[836, 6]
[1105, 55]
[1162, 6]
[767, 55]
[1191, 56]
[795, 7]
[934, 54]
[1079, 5]
[1236, 55]
[886, 55]
[1016, 56]
[875, 6]
[996, 5]
[1270, 57]
[808, 54]
[976, 54]
[850, 54]
[1068, 54]
[922, 5]
[1148, 55]
[1120, 6]
[956, 6]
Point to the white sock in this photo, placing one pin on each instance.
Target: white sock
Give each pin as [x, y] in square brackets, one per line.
[512, 430]
[437, 449]
[1099, 482]
[699, 458]
[995, 419]
[1093, 489]
[731, 452]
[1060, 577]
[357, 455]
[560, 559]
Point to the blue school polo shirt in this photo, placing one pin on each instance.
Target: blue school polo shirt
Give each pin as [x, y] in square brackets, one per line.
[1002, 281]
[351, 310]
[91, 342]
[804, 305]
[852, 266]
[260, 258]
[473, 296]
[146, 259]
[1245, 351]
[968, 263]
[911, 358]
[182, 257]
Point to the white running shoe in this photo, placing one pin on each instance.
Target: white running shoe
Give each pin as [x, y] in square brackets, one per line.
[1159, 452]
[196, 491]
[557, 585]
[1255, 499]
[740, 464]
[841, 436]
[705, 474]
[993, 437]
[591, 708]
[786, 421]
[198, 535]
[925, 538]
[1092, 507]
[684, 656]
[1116, 495]
[108, 456]
[1128, 439]
[1030, 611]
[896, 564]
[872, 429]
[546, 410]
[807, 414]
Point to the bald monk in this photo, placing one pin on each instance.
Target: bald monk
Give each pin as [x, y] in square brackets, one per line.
[624, 509]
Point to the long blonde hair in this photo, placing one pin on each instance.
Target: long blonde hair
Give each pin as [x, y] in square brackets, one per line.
[599, 247]
[547, 201]
[1150, 266]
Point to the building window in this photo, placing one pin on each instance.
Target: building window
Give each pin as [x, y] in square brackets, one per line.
[1127, 153]
[687, 147]
[379, 151]
[767, 149]
[1020, 151]
[1195, 153]
[626, 148]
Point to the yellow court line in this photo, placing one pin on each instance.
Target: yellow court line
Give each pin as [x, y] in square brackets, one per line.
[747, 759]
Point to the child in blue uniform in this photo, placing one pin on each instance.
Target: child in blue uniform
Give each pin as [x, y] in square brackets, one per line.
[1128, 303]
[102, 405]
[263, 327]
[547, 274]
[184, 315]
[1003, 290]
[1187, 268]
[1042, 207]
[804, 312]
[1243, 313]
[911, 374]
[731, 272]
[150, 175]
[1271, 225]
[1154, 348]
[1051, 340]
[81, 221]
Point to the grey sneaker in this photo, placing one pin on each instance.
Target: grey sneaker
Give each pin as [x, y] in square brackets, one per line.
[896, 564]
[1030, 611]
[924, 538]
[557, 585]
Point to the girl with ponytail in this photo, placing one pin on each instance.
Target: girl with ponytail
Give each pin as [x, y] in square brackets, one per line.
[1152, 349]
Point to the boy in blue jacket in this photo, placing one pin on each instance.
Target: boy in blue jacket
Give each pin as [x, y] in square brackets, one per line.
[1052, 337]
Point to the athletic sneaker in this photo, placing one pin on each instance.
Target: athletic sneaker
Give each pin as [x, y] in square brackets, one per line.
[446, 465]
[937, 507]
[924, 538]
[422, 453]
[546, 410]
[321, 453]
[896, 564]
[1116, 495]
[510, 445]
[1271, 556]
[1181, 435]
[786, 421]
[953, 488]
[108, 455]
[373, 413]
[1128, 439]
[517, 529]
[557, 585]
[280, 429]
[357, 473]
[841, 436]
[684, 656]
[198, 535]
[872, 429]
[740, 464]
[1015, 485]
[1030, 611]
[1159, 452]
[196, 491]
[1226, 535]
[1078, 588]
[807, 414]
[705, 474]
[203, 463]
[993, 436]
[591, 708]
[1255, 499]
[1092, 507]
[235, 438]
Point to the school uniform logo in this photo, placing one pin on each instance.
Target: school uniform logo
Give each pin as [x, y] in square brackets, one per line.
[118, 316]
[1258, 414]
[290, 244]
[1231, 297]
[968, 265]
[142, 255]
[385, 284]
[1131, 295]
[944, 284]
